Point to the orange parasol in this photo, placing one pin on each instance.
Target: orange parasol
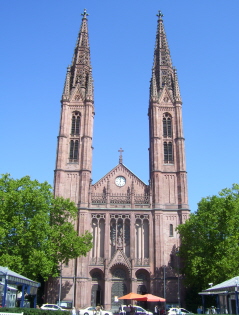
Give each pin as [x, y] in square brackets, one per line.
[151, 298]
[131, 296]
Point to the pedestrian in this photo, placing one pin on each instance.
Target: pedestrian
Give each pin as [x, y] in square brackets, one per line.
[156, 310]
[73, 311]
[132, 310]
[98, 310]
[199, 310]
[127, 309]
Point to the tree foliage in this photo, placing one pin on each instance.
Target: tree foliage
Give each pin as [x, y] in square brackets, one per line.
[37, 231]
[209, 240]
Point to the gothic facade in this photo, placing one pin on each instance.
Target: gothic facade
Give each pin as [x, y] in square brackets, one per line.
[133, 224]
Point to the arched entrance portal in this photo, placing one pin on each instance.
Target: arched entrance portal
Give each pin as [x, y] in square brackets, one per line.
[96, 288]
[120, 279]
[142, 284]
[143, 279]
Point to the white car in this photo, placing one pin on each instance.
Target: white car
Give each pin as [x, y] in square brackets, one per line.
[138, 310]
[52, 307]
[91, 311]
[177, 311]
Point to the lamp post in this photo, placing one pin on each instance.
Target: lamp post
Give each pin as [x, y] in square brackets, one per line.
[236, 295]
[60, 285]
[179, 302]
[5, 288]
[164, 285]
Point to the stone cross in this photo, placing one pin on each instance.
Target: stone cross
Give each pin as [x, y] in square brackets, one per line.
[85, 14]
[120, 157]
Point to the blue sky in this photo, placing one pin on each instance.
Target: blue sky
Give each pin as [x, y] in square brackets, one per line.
[37, 41]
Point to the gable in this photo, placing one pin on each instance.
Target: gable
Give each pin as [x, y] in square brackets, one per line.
[166, 97]
[120, 180]
[120, 258]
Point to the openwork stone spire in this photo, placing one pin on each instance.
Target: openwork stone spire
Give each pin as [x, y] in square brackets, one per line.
[163, 73]
[79, 74]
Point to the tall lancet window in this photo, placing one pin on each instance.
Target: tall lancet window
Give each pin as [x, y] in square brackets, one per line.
[98, 231]
[168, 152]
[167, 125]
[75, 124]
[120, 234]
[74, 151]
[142, 240]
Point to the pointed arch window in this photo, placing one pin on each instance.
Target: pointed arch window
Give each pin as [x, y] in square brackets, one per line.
[98, 233]
[168, 152]
[74, 151]
[170, 229]
[142, 241]
[75, 123]
[167, 125]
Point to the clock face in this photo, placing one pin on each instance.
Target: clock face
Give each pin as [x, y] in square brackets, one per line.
[120, 181]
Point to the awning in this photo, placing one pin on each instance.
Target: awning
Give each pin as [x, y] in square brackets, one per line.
[211, 293]
[16, 277]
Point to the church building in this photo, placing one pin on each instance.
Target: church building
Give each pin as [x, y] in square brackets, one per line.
[133, 224]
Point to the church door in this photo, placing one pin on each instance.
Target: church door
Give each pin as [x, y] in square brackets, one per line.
[120, 277]
[96, 295]
[118, 290]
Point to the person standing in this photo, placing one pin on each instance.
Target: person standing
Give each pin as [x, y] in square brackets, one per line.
[98, 310]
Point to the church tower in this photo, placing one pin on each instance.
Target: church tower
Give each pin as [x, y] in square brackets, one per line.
[74, 152]
[167, 154]
[133, 224]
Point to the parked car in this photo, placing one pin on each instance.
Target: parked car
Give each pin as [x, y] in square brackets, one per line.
[91, 311]
[138, 310]
[177, 311]
[52, 307]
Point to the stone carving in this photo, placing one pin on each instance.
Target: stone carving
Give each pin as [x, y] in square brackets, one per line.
[120, 238]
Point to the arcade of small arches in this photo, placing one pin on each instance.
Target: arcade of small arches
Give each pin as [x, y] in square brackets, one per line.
[120, 283]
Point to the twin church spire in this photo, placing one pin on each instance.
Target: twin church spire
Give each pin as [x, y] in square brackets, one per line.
[79, 74]
[163, 72]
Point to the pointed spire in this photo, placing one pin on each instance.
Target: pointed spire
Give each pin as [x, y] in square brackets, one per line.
[163, 72]
[80, 74]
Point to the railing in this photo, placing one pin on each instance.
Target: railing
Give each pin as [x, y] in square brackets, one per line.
[120, 199]
[142, 262]
[137, 199]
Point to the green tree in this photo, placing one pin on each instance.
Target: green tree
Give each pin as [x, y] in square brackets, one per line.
[209, 240]
[37, 231]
